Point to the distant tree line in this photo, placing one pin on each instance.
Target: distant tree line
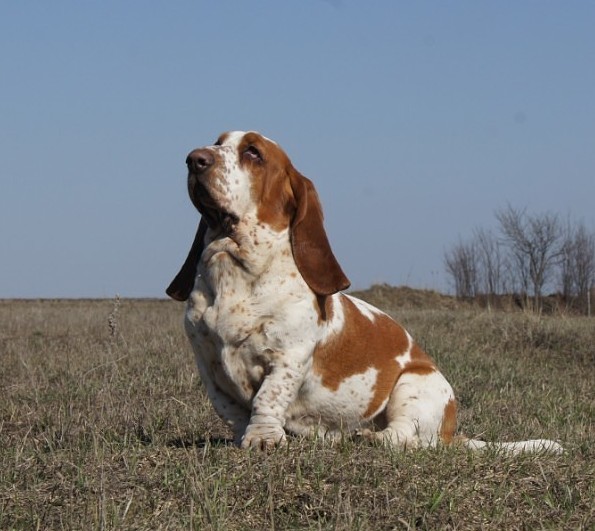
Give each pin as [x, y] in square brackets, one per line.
[526, 255]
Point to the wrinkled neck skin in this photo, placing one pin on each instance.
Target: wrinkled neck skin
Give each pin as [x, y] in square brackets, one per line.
[245, 254]
[250, 265]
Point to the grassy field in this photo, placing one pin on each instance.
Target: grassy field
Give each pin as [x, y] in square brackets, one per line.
[103, 425]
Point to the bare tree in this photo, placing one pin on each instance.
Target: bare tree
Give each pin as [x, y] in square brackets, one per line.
[567, 269]
[531, 253]
[461, 265]
[577, 268]
[491, 263]
[584, 261]
[536, 244]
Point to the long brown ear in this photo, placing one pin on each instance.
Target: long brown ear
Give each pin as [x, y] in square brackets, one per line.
[311, 249]
[181, 286]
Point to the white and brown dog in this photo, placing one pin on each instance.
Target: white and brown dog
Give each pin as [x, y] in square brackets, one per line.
[279, 348]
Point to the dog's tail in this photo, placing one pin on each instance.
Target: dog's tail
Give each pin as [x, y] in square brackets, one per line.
[512, 448]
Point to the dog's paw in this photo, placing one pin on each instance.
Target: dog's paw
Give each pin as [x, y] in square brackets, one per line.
[263, 437]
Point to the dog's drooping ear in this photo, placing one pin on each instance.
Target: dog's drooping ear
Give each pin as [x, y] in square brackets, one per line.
[181, 286]
[311, 249]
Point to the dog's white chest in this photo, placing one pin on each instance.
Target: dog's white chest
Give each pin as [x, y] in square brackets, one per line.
[240, 326]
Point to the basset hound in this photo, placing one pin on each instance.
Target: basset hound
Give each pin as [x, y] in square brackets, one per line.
[279, 348]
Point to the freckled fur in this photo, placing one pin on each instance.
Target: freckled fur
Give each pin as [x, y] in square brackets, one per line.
[278, 347]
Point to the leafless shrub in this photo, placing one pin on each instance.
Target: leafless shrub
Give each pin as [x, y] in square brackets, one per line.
[492, 263]
[536, 243]
[528, 255]
[461, 264]
[577, 268]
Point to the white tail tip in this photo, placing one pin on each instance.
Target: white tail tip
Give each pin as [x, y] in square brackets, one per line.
[519, 447]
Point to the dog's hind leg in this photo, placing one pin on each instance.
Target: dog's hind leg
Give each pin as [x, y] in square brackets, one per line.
[421, 411]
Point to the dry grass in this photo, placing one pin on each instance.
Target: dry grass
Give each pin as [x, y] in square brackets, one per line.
[103, 426]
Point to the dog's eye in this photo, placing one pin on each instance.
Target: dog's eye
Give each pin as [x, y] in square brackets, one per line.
[251, 153]
[218, 143]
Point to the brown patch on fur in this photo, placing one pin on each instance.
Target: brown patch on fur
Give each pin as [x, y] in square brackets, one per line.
[271, 190]
[362, 345]
[419, 362]
[285, 198]
[449, 422]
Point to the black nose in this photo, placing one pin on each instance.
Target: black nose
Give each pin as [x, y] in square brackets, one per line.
[199, 160]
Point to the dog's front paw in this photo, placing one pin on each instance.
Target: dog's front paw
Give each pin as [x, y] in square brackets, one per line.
[263, 436]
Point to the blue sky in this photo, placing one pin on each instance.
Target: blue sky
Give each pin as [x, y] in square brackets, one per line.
[415, 120]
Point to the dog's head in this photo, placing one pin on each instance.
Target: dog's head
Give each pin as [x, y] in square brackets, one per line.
[247, 177]
[241, 175]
